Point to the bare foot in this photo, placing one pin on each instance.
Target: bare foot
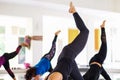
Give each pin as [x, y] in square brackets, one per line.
[103, 24]
[27, 41]
[56, 33]
[72, 8]
[24, 44]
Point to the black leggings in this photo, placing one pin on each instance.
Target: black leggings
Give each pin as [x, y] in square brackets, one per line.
[94, 72]
[52, 51]
[101, 55]
[66, 61]
[7, 57]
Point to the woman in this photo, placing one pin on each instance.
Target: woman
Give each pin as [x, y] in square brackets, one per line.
[4, 59]
[97, 60]
[44, 64]
[66, 64]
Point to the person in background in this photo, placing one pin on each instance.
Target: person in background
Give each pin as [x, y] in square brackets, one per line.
[97, 60]
[4, 59]
[66, 64]
[44, 65]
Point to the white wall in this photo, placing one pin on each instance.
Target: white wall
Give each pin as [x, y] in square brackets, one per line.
[117, 9]
[34, 12]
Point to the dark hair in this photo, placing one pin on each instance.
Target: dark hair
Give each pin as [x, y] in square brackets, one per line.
[30, 73]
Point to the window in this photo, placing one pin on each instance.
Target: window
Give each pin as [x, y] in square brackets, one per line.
[12, 32]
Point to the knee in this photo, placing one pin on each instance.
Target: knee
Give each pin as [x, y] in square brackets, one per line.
[55, 76]
[5, 54]
[87, 31]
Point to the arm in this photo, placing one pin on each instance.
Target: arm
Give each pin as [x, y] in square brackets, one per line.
[105, 74]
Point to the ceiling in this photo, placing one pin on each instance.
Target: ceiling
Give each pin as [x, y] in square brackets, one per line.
[109, 5]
